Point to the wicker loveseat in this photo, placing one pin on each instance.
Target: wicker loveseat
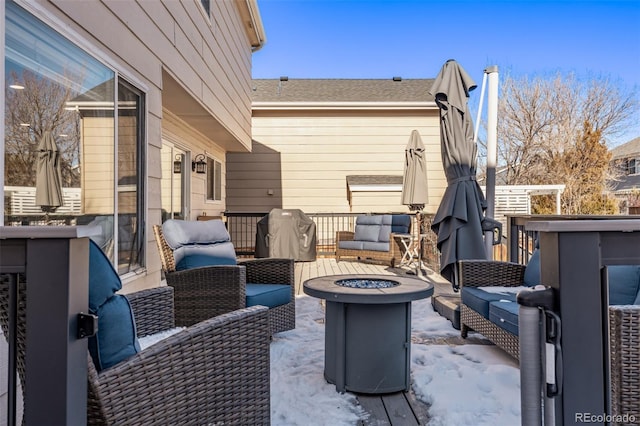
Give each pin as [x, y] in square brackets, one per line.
[212, 283]
[215, 372]
[497, 318]
[374, 239]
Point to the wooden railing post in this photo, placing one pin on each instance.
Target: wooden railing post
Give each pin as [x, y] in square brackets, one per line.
[55, 264]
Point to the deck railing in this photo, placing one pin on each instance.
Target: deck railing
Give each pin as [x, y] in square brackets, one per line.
[243, 227]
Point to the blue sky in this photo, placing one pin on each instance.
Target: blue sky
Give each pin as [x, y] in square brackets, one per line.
[413, 38]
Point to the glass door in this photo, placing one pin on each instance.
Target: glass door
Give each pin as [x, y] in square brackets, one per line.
[174, 182]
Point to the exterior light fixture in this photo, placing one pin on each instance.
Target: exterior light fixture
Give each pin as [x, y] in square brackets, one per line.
[177, 164]
[199, 165]
[16, 86]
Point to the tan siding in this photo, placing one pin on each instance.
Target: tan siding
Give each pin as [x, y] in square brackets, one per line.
[305, 157]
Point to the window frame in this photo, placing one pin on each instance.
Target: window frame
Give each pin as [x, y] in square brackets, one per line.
[214, 187]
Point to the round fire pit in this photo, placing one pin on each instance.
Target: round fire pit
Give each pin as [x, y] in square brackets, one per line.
[368, 329]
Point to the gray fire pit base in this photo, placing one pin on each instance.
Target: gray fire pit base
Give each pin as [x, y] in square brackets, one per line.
[367, 347]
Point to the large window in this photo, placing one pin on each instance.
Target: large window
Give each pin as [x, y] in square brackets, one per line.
[69, 119]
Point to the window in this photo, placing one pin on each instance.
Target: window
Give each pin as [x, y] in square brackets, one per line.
[207, 6]
[633, 166]
[214, 180]
[89, 118]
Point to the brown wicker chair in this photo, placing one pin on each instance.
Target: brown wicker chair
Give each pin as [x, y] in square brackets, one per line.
[216, 372]
[206, 292]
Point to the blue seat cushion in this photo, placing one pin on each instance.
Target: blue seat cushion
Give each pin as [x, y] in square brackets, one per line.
[532, 270]
[478, 299]
[505, 315]
[199, 260]
[116, 339]
[270, 295]
[350, 245]
[375, 246]
[624, 283]
[104, 281]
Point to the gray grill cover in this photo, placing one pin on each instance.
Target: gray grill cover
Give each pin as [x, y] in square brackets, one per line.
[286, 233]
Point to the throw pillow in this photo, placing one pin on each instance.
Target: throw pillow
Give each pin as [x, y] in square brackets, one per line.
[532, 270]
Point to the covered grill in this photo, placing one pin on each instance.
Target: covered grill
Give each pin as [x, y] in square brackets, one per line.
[286, 233]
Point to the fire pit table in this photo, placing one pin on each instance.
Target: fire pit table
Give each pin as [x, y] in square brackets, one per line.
[368, 329]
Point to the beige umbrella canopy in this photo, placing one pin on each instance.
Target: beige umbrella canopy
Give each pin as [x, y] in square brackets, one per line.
[48, 175]
[414, 183]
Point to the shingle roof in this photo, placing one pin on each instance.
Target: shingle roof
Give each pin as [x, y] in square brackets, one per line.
[342, 90]
[629, 149]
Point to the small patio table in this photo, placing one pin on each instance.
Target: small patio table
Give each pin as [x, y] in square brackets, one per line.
[368, 329]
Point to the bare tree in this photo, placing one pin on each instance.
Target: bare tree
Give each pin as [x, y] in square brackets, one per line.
[546, 124]
[38, 107]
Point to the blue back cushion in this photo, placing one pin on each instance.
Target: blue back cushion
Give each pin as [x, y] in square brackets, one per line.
[367, 228]
[532, 270]
[396, 223]
[200, 260]
[116, 337]
[104, 281]
[624, 283]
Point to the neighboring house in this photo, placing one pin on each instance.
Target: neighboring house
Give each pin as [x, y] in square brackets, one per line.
[626, 187]
[334, 145]
[138, 96]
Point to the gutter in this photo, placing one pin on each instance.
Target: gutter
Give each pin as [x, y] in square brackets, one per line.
[252, 21]
[283, 106]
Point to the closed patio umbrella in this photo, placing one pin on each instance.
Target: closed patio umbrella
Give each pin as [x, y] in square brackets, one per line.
[48, 175]
[414, 183]
[458, 220]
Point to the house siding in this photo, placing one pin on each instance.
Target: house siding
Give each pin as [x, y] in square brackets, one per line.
[303, 158]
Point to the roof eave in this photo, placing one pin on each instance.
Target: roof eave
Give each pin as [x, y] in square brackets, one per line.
[252, 22]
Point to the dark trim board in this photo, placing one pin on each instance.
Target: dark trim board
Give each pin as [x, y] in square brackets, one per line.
[393, 409]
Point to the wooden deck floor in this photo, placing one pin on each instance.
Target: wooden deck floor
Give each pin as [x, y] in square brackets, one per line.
[396, 409]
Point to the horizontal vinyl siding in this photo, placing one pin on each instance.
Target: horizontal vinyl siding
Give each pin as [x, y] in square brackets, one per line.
[304, 160]
[212, 60]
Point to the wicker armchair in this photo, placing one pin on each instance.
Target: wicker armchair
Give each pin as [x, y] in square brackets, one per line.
[206, 292]
[216, 372]
[478, 273]
[624, 331]
[624, 338]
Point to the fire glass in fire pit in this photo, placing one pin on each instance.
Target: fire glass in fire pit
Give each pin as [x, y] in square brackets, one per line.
[367, 283]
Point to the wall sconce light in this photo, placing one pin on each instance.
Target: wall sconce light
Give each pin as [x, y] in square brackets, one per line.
[199, 165]
[177, 164]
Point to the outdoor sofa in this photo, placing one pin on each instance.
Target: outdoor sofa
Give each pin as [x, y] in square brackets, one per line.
[495, 316]
[373, 238]
[199, 262]
[215, 372]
